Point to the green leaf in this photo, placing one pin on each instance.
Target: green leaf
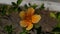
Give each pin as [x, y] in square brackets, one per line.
[29, 4]
[15, 9]
[26, 6]
[36, 26]
[58, 13]
[19, 2]
[57, 29]
[3, 12]
[23, 33]
[52, 15]
[58, 24]
[42, 7]
[39, 30]
[8, 29]
[14, 4]
[58, 18]
[34, 6]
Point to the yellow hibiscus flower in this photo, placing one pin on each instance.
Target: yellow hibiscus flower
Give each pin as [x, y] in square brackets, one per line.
[29, 18]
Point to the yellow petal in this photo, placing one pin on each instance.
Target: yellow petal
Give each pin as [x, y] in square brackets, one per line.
[36, 18]
[30, 26]
[30, 11]
[23, 23]
[22, 14]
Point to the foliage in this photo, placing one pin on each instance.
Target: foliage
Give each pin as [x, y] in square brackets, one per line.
[26, 6]
[57, 29]
[34, 5]
[3, 11]
[42, 6]
[19, 2]
[52, 15]
[58, 18]
[38, 28]
[8, 29]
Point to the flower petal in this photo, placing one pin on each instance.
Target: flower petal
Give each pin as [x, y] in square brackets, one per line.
[36, 18]
[22, 14]
[30, 26]
[30, 11]
[23, 23]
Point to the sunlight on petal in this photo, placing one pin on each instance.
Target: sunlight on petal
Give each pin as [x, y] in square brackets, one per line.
[22, 14]
[30, 11]
[23, 23]
[36, 18]
[30, 26]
